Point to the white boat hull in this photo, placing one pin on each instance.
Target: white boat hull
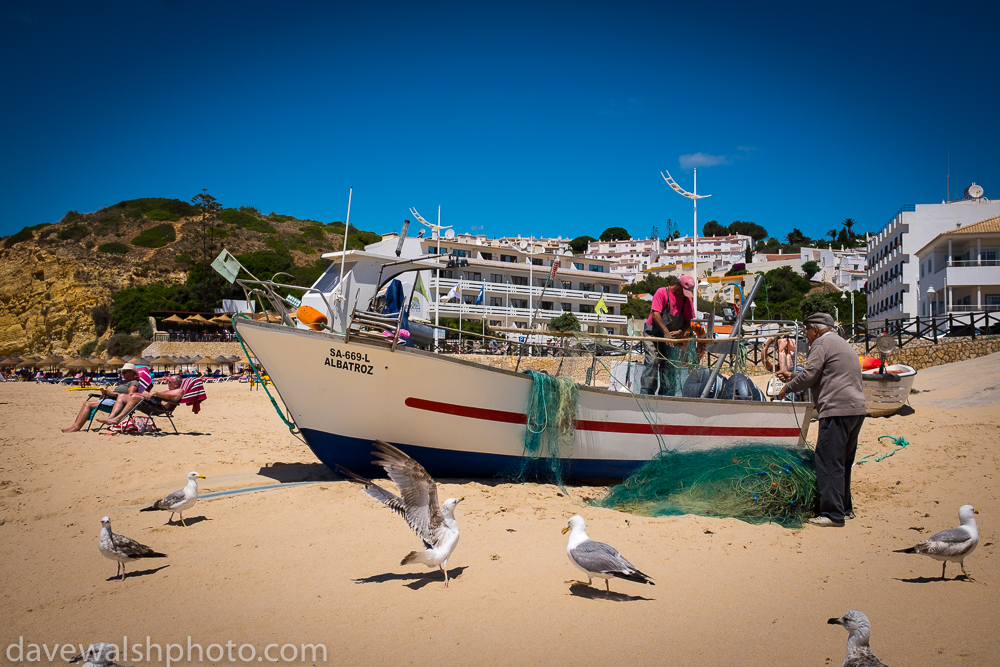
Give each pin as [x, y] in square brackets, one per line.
[461, 419]
[886, 393]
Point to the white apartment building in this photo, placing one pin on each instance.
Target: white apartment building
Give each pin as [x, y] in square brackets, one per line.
[845, 268]
[629, 257]
[715, 253]
[892, 278]
[511, 277]
[959, 270]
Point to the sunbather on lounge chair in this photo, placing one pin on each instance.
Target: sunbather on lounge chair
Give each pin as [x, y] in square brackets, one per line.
[162, 399]
[128, 387]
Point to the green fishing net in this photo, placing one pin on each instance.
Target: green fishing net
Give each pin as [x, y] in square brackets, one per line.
[551, 411]
[757, 484]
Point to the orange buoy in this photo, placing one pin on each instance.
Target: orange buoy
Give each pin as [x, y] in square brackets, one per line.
[311, 317]
[868, 363]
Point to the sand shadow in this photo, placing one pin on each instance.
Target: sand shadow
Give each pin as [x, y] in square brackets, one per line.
[594, 593]
[285, 473]
[137, 573]
[932, 580]
[417, 579]
[190, 521]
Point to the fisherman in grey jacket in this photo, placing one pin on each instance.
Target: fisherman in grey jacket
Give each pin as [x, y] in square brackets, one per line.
[834, 373]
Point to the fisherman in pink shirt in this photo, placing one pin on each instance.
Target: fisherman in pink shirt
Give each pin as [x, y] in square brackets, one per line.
[670, 317]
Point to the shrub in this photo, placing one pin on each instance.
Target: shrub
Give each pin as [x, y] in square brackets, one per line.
[184, 259]
[89, 244]
[136, 208]
[100, 316]
[109, 219]
[810, 268]
[71, 216]
[123, 343]
[23, 235]
[73, 233]
[232, 216]
[565, 322]
[156, 237]
[87, 349]
[160, 214]
[279, 218]
[217, 233]
[113, 248]
[312, 233]
[358, 240]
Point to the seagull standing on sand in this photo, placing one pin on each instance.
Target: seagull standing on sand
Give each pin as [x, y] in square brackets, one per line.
[953, 544]
[178, 501]
[100, 654]
[596, 558]
[859, 654]
[122, 549]
[418, 505]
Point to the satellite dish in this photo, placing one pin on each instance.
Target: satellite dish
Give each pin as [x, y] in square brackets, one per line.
[974, 191]
[885, 344]
[522, 244]
[450, 234]
[567, 253]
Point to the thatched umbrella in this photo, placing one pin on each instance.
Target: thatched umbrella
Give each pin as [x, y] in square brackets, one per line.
[163, 361]
[221, 320]
[97, 362]
[116, 362]
[50, 361]
[175, 319]
[29, 362]
[222, 359]
[197, 319]
[79, 363]
[12, 360]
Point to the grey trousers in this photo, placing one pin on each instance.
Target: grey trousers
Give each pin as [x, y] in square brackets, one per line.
[836, 446]
[659, 371]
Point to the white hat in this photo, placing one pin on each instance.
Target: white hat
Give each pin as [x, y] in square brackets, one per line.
[129, 366]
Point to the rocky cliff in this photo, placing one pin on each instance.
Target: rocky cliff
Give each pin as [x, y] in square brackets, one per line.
[51, 276]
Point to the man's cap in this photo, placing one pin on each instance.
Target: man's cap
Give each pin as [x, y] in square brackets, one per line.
[129, 366]
[687, 284]
[823, 319]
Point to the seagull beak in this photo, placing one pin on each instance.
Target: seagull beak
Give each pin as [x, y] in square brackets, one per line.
[461, 499]
[202, 477]
[565, 530]
[834, 621]
[975, 511]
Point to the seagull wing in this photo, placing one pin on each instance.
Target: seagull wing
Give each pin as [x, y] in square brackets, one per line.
[168, 503]
[952, 542]
[605, 559]
[393, 502]
[417, 489]
[130, 547]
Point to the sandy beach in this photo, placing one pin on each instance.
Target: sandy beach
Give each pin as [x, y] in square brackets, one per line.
[318, 563]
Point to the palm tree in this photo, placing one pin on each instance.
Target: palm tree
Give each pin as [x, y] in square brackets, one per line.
[849, 223]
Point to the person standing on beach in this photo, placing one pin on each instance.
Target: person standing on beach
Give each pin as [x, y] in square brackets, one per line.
[833, 371]
[670, 317]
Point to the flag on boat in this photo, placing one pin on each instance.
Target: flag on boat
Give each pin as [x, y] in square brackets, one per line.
[601, 308]
[227, 266]
[482, 294]
[420, 288]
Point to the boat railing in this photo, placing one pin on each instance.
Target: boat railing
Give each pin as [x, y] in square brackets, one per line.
[269, 294]
[374, 326]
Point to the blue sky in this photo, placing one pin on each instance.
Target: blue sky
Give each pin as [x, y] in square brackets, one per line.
[520, 118]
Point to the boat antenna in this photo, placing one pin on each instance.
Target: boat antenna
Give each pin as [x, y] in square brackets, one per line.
[402, 237]
[343, 257]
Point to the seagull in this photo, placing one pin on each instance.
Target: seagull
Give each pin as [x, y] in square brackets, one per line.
[178, 501]
[953, 544]
[121, 548]
[100, 654]
[859, 654]
[596, 558]
[418, 506]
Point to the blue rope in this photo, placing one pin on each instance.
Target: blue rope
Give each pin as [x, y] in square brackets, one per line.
[290, 425]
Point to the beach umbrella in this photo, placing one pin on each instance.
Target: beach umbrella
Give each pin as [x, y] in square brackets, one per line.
[222, 359]
[116, 362]
[197, 319]
[12, 361]
[29, 362]
[50, 361]
[97, 362]
[175, 319]
[79, 363]
[163, 361]
[221, 320]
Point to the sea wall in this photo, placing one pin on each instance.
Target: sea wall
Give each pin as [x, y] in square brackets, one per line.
[925, 353]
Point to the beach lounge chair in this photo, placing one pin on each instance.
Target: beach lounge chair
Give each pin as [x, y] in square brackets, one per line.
[193, 394]
[145, 384]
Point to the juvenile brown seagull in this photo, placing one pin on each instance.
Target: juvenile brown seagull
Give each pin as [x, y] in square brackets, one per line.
[953, 544]
[100, 654]
[178, 501]
[859, 654]
[417, 503]
[122, 549]
[598, 559]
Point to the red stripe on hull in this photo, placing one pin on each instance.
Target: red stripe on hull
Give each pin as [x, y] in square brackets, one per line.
[603, 426]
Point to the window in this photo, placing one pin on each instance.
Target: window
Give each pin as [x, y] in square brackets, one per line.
[578, 266]
[606, 289]
[536, 261]
[460, 253]
[495, 323]
[496, 278]
[597, 268]
[547, 305]
[472, 275]
[470, 298]
[586, 308]
[487, 255]
[567, 284]
[496, 301]
[443, 251]
[586, 287]
[519, 280]
[567, 307]
[431, 250]
[508, 258]
[518, 303]
[447, 274]
[611, 309]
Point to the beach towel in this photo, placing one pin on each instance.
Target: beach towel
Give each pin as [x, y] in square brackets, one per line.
[145, 378]
[193, 393]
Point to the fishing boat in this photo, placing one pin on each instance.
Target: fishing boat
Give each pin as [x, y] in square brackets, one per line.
[887, 389]
[355, 381]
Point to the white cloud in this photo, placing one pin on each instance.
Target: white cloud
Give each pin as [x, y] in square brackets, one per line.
[702, 160]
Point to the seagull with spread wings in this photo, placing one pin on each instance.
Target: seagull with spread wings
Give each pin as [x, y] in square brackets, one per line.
[417, 504]
[953, 544]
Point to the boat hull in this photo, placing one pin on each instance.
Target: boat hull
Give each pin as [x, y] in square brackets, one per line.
[886, 393]
[462, 419]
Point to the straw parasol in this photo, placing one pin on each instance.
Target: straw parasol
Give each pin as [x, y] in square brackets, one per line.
[80, 363]
[12, 361]
[97, 362]
[221, 320]
[197, 319]
[204, 361]
[163, 361]
[222, 359]
[116, 361]
[50, 360]
[175, 319]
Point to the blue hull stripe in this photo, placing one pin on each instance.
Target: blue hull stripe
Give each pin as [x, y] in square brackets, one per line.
[355, 454]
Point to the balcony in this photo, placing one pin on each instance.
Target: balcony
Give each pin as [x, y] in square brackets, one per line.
[522, 291]
[474, 312]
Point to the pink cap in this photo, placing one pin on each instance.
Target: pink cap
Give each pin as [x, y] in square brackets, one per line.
[687, 284]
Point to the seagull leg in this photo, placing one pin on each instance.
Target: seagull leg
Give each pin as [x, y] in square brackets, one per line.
[967, 575]
[171, 519]
[123, 572]
[607, 585]
[182, 520]
[944, 566]
[443, 569]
